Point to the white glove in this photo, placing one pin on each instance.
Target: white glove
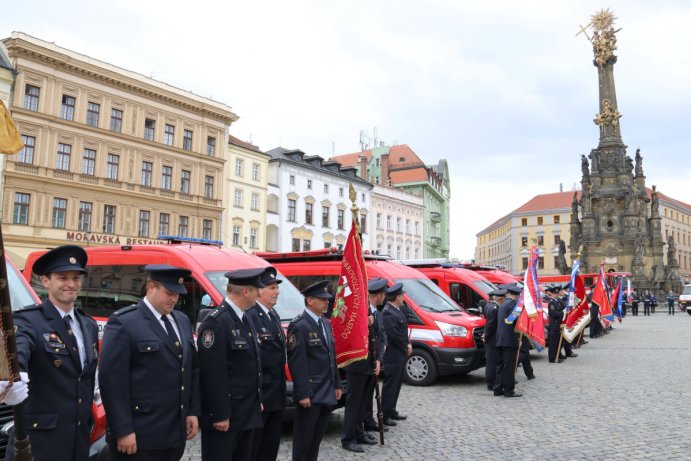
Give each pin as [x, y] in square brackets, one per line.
[18, 391]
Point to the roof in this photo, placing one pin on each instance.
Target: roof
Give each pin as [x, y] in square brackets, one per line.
[351, 159]
[545, 202]
[400, 156]
[407, 176]
[665, 198]
[238, 142]
[315, 162]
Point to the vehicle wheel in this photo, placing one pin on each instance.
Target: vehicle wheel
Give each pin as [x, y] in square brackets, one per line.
[688, 311]
[420, 369]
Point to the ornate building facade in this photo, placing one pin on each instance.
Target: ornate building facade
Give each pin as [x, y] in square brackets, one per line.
[398, 227]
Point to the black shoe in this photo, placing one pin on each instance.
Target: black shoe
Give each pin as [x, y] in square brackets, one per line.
[513, 394]
[367, 440]
[374, 428]
[490, 387]
[562, 357]
[572, 355]
[354, 447]
[531, 377]
[498, 392]
[390, 422]
[583, 341]
[399, 417]
[558, 361]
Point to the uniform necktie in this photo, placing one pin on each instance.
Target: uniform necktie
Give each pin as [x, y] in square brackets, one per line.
[71, 338]
[169, 329]
[277, 321]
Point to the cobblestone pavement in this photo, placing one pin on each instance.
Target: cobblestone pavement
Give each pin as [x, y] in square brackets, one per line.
[626, 396]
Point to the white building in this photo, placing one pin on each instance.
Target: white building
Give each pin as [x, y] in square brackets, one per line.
[308, 204]
[397, 225]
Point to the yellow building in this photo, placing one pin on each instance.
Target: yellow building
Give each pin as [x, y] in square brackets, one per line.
[245, 196]
[110, 157]
[676, 222]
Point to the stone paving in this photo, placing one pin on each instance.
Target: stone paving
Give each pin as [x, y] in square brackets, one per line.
[626, 396]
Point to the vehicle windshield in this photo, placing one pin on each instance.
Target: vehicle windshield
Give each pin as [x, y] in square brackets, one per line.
[687, 290]
[427, 295]
[19, 294]
[484, 286]
[290, 301]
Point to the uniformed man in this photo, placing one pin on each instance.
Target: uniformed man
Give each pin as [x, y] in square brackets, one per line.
[507, 345]
[57, 349]
[376, 302]
[360, 377]
[231, 371]
[635, 300]
[647, 301]
[555, 311]
[312, 363]
[398, 349]
[273, 356]
[564, 297]
[595, 325]
[490, 336]
[670, 302]
[148, 373]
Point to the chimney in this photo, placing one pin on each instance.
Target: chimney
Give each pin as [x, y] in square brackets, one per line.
[384, 169]
[363, 165]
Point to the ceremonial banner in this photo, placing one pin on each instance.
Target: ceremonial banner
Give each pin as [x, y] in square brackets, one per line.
[618, 299]
[578, 316]
[351, 306]
[531, 322]
[600, 296]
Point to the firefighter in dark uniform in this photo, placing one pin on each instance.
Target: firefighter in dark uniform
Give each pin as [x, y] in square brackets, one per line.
[670, 302]
[507, 345]
[635, 300]
[273, 354]
[148, 373]
[57, 349]
[564, 297]
[398, 349]
[647, 301]
[312, 363]
[360, 377]
[555, 312]
[376, 301]
[490, 336]
[231, 371]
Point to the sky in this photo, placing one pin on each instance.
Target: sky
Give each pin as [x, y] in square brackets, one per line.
[503, 90]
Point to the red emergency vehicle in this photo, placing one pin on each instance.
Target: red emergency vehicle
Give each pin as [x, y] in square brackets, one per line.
[446, 339]
[492, 274]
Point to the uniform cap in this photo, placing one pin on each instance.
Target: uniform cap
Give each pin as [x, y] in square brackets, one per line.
[270, 276]
[566, 286]
[395, 290]
[377, 285]
[498, 292]
[515, 289]
[553, 288]
[65, 258]
[246, 277]
[318, 290]
[171, 277]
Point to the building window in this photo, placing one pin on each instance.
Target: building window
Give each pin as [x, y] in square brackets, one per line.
[557, 219]
[209, 187]
[147, 171]
[398, 251]
[525, 263]
[169, 135]
[239, 165]
[340, 192]
[109, 219]
[253, 237]
[524, 223]
[379, 221]
[363, 223]
[388, 222]
[541, 262]
[144, 217]
[92, 112]
[255, 201]
[539, 221]
[398, 225]
[210, 146]
[292, 180]
[309, 183]
[326, 188]
[237, 201]
[112, 167]
[341, 219]
[185, 176]
[556, 262]
[67, 110]
[163, 224]
[306, 245]
[182, 226]
[89, 162]
[31, 94]
[291, 212]
[417, 228]
[540, 240]
[524, 241]
[149, 129]
[325, 216]
[407, 252]
[21, 208]
[167, 177]
[255, 172]
[116, 120]
[59, 212]
[26, 155]
[236, 236]
[407, 226]
[63, 158]
[187, 139]
[84, 224]
[207, 226]
[296, 244]
[557, 239]
[308, 213]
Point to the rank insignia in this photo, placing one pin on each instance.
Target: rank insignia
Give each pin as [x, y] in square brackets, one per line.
[46, 336]
[208, 338]
[57, 363]
[291, 341]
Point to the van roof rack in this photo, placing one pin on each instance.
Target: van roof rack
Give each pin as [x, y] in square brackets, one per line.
[177, 239]
[323, 254]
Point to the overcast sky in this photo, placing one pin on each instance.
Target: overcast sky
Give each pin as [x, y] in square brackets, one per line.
[503, 90]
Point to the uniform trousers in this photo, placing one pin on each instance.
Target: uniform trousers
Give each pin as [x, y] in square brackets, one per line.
[267, 439]
[490, 365]
[167, 454]
[309, 428]
[222, 446]
[508, 368]
[356, 406]
[524, 358]
[368, 414]
[393, 379]
[634, 308]
[646, 308]
[670, 307]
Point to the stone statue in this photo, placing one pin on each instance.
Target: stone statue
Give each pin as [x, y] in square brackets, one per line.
[639, 250]
[654, 203]
[563, 268]
[654, 271]
[574, 206]
[585, 200]
[584, 167]
[671, 251]
[628, 164]
[639, 163]
[593, 159]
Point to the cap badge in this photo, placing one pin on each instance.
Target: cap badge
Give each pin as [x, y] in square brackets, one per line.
[180, 280]
[72, 260]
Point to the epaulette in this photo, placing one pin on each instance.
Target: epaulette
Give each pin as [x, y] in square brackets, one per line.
[298, 318]
[30, 307]
[125, 310]
[216, 312]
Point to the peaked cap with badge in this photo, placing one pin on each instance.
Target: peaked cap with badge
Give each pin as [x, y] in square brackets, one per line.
[171, 277]
[269, 276]
[318, 290]
[246, 277]
[377, 285]
[66, 258]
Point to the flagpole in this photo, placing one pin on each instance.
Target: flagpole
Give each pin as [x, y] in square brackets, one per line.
[518, 354]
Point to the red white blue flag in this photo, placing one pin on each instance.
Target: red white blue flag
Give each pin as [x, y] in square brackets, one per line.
[528, 310]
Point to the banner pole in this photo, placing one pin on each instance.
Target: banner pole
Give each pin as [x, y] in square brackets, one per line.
[561, 338]
[518, 354]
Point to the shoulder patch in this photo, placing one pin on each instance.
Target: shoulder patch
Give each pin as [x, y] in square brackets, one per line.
[291, 341]
[125, 310]
[208, 338]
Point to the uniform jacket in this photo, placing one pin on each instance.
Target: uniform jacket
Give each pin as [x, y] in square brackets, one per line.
[273, 358]
[149, 385]
[491, 312]
[506, 336]
[312, 361]
[378, 332]
[58, 411]
[671, 299]
[555, 310]
[396, 326]
[231, 370]
[635, 298]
